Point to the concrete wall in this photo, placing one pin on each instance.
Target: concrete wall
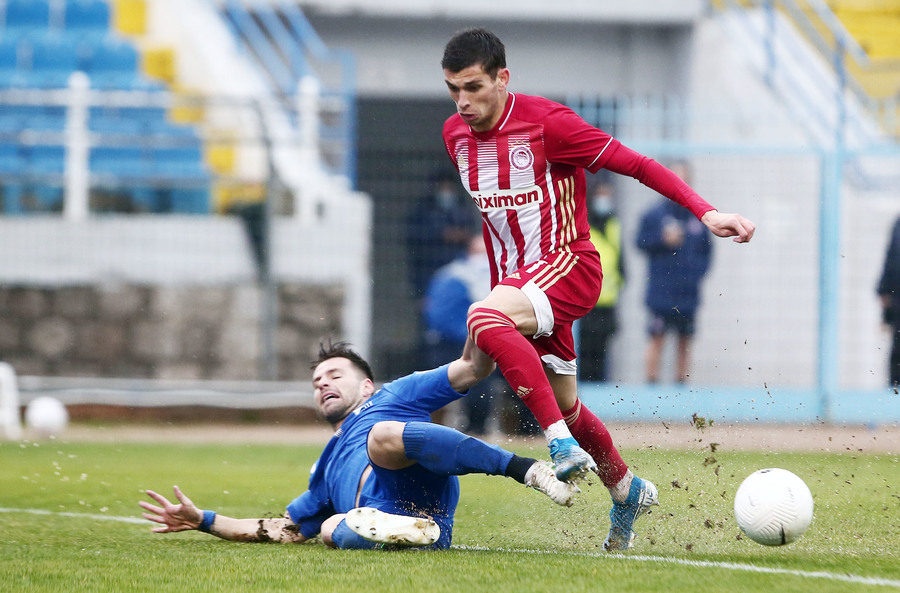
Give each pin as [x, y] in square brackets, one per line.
[161, 332]
[401, 56]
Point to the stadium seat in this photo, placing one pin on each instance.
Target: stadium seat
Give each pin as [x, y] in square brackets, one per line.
[10, 158]
[189, 201]
[9, 61]
[53, 60]
[115, 125]
[179, 162]
[9, 56]
[87, 16]
[27, 15]
[44, 159]
[120, 161]
[112, 55]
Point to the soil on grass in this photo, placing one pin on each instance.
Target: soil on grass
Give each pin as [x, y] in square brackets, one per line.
[713, 438]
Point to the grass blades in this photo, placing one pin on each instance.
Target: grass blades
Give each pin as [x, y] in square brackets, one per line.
[507, 537]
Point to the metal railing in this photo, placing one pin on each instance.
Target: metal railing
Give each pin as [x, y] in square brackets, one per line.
[832, 99]
[284, 45]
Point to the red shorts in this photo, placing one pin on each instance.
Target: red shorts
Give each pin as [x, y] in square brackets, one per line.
[562, 286]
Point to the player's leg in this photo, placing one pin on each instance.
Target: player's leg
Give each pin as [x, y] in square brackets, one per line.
[683, 324]
[448, 452]
[656, 330]
[499, 326]
[895, 357]
[589, 430]
[632, 496]
[684, 357]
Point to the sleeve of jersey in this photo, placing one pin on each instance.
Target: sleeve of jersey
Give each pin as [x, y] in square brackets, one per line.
[624, 161]
[309, 512]
[426, 390]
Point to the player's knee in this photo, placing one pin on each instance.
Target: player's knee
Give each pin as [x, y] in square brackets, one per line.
[385, 443]
[480, 317]
[327, 530]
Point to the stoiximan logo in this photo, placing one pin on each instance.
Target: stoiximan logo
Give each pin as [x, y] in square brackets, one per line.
[508, 199]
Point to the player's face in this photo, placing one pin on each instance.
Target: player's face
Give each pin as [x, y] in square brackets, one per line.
[479, 99]
[339, 388]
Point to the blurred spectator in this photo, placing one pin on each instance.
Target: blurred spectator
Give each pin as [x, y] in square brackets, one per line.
[597, 327]
[451, 290]
[679, 250]
[438, 228]
[889, 291]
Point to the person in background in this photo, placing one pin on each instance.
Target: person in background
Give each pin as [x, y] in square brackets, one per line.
[679, 251]
[438, 231]
[889, 293]
[451, 291]
[597, 328]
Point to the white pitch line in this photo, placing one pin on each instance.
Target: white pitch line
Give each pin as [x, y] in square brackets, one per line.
[78, 515]
[848, 578]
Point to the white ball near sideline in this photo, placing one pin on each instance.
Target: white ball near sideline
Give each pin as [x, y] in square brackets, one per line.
[46, 415]
[773, 506]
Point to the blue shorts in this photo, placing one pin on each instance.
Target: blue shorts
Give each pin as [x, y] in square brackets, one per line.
[671, 320]
[417, 492]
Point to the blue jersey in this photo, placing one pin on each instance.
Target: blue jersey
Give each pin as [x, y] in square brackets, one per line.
[335, 478]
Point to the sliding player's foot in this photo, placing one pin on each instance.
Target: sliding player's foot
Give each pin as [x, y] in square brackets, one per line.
[385, 528]
[541, 477]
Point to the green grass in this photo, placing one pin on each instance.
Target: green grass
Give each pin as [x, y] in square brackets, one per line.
[508, 538]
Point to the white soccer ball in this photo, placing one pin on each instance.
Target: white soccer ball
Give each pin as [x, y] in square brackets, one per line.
[773, 507]
[46, 415]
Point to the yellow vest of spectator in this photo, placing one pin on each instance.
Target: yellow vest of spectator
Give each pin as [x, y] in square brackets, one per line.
[609, 245]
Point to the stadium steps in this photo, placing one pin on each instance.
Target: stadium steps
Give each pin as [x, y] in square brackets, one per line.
[873, 25]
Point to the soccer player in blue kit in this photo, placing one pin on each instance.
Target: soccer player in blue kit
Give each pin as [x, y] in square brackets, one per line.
[388, 475]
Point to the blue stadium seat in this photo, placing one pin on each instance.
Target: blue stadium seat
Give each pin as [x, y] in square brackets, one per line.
[9, 55]
[87, 16]
[110, 55]
[112, 63]
[102, 124]
[121, 161]
[190, 201]
[10, 158]
[44, 159]
[180, 162]
[53, 60]
[24, 15]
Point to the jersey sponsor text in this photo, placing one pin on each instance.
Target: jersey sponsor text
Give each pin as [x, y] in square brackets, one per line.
[513, 199]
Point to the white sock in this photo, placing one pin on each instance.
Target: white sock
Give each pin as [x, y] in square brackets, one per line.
[619, 492]
[557, 430]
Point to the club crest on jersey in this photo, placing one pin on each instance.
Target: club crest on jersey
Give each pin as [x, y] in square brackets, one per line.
[508, 199]
[521, 158]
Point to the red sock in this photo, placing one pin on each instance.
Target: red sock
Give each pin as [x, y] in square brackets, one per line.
[594, 438]
[496, 335]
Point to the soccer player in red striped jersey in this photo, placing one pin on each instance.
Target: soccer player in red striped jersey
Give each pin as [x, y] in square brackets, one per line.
[522, 159]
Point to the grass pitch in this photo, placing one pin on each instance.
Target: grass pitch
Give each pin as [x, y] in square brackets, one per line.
[70, 522]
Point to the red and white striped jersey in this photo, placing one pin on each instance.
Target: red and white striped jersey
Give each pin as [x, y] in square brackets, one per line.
[526, 175]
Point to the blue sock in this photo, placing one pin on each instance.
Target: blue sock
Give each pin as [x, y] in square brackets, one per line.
[448, 452]
[345, 539]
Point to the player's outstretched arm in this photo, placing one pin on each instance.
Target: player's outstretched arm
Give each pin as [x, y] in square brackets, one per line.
[729, 225]
[470, 368]
[186, 516]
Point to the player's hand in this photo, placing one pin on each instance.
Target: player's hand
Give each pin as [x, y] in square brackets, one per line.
[172, 517]
[729, 225]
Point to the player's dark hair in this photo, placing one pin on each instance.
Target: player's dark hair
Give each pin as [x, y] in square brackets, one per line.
[342, 350]
[474, 46]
